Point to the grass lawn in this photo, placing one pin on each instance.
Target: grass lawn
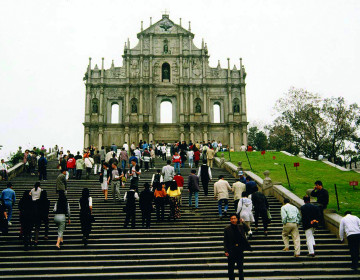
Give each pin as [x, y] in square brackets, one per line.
[304, 177]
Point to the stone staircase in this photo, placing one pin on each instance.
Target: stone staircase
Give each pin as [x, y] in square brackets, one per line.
[190, 248]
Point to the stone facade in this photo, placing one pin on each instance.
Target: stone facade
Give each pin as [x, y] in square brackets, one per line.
[165, 66]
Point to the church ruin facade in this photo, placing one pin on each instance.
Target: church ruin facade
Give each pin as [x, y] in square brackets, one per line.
[123, 104]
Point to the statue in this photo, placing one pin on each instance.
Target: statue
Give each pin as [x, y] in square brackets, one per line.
[236, 108]
[166, 74]
[166, 48]
[197, 108]
[95, 107]
[133, 108]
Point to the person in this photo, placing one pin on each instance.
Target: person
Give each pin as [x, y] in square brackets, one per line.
[33, 162]
[235, 244]
[152, 157]
[196, 157]
[63, 165]
[4, 170]
[251, 186]
[205, 175]
[169, 172]
[135, 173]
[210, 154]
[80, 166]
[71, 165]
[183, 156]
[104, 180]
[85, 206]
[350, 227]
[290, 217]
[146, 158]
[244, 211]
[102, 154]
[42, 165]
[146, 207]
[180, 183]
[130, 198]
[61, 209]
[137, 153]
[26, 218]
[9, 198]
[193, 185]
[123, 158]
[44, 207]
[97, 163]
[221, 193]
[4, 227]
[35, 196]
[242, 177]
[156, 178]
[61, 184]
[310, 216]
[238, 188]
[322, 196]
[176, 159]
[261, 207]
[163, 152]
[160, 195]
[174, 194]
[113, 148]
[88, 165]
[116, 177]
[126, 147]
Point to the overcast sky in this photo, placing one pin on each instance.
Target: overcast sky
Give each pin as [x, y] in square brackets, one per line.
[45, 46]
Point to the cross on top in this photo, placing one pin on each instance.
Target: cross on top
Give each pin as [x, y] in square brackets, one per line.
[166, 12]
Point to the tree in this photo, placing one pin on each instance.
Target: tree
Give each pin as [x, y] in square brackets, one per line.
[257, 138]
[281, 138]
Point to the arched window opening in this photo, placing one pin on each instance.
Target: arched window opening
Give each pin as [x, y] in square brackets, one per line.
[133, 106]
[236, 106]
[216, 109]
[197, 105]
[114, 113]
[166, 112]
[165, 70]
[95, 106]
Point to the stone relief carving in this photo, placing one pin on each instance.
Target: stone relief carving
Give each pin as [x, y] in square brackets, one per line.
[185, 44]
[156, 72]
[165, 24]
[146, 43]
[197, 67]
[185, 67]
[134, 66]
[122, 73]
[146, 68]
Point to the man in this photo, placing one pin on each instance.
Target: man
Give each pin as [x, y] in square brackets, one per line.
[115, 180]
[42, 165]
[146, 158]
[180, 183]
[123, 158]
[290, 217]
[251, 186]
[113, 148]
[71, 165]
[9, 198]
[193, 185]
[205, 175]
[235, 244]
[322, 196]
[138, 155]
[168, 172]
[210, 154]
[97, 163]
[78, 156]
[152, 157]
[61, 184]
[126, 147]
[132, 147]
[350, 226]
[309, 213]
[242, 177]
[3, 170]
[33, 162]
[261, 207]
[135, 173]
[102, 154]
[221, 193]
[163, 152]
[108, 156]
[238, 188]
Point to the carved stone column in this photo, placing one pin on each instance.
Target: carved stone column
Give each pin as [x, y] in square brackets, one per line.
[192, 133]
[151, 95]
[87, 137]
[127, 140]
[151, 133]
[141, 104]
[140, 133]
[182, 135]
[231, 137]
[102, 105]
[87, 104]
[127, 101]
[100, 142]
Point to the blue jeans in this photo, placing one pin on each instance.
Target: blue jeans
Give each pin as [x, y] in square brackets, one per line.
[196, 194]
[9, 206]
[220, 202]
[123, 163]
[177, 166]
[191, 162]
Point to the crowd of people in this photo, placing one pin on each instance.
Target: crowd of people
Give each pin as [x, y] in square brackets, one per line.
[165, 189]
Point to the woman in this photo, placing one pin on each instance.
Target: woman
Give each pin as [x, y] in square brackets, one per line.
[26, 218]
[44, 206]
[190, 155]
[244, 210]
[183, 158]
[85, 206]
[104, 180]
[174, 193]
[196, 157]
[130, 199]
[146, 207]
[35, 196]
[61, 209]
[160, 195]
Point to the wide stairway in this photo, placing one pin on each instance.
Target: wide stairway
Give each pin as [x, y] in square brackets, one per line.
[189, 248]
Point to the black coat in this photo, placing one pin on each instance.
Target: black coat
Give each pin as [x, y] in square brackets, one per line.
[259, 201]
[146, 199]
[309, 212]
[232, 243]
[322, 197]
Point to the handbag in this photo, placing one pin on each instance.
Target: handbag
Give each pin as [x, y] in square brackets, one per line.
[268, 214]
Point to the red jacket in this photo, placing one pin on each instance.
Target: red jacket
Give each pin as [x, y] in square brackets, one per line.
[197, 155]
[176, 159]
[179, 180]
[71, 163]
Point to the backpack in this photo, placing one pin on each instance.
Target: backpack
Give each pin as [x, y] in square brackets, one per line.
[157, 178]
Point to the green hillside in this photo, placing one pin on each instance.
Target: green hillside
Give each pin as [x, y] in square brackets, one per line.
[304, 177]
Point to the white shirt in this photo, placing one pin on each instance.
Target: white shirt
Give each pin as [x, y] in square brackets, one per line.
[163, 149]
[209, 171]
[190, 154]
[35, 195]
[135, 195]
[90, 202]
[137, 153]
[126, 146]
[3, 166]
[349, 225]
